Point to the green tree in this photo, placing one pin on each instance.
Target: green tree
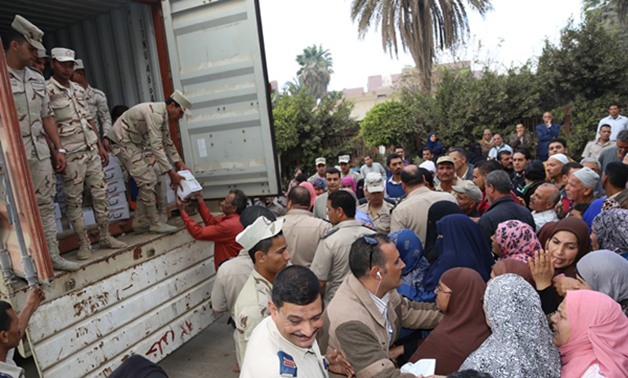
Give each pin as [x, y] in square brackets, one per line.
[316, 69]
[387, 123]
[422, 27]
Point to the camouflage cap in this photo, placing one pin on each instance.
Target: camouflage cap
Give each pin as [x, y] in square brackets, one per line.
[32, 33]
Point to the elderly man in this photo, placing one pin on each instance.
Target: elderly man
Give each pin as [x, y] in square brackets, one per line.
[267, 248]
[367, 313]
[545, 132]
[144, 125]
[446, 174]
[37, 125]
[376, 208]
[503, 207]
[303, 231]
[617, 153]
[542, 203]
[330, 262]
[616, 121]
[468, 196]
[332, 179]
[85, 153]
[594, 148]
[321, 167]
[464, 170]
[498, 146]
[554, 167]
[285, 343]
[581, 186]
[412, 211]
[371, 166]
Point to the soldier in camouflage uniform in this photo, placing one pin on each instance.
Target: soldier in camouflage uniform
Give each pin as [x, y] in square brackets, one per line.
[96, 101]
[86, 154]
[36, 122]
[143, 125]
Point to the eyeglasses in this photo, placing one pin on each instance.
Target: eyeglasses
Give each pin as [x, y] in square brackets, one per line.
[439, 289]
[371, 241]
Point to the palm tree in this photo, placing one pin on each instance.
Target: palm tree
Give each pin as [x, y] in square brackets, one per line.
[422, 26]
[316, 69]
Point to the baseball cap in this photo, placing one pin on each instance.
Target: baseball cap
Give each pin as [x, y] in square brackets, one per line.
[343, 159]
[469, 188]
[261, 229]
[79, 65]
[61, 54]
[445, 159]
[32, 33]
[321, 160]
[374, 182]
[180, 99]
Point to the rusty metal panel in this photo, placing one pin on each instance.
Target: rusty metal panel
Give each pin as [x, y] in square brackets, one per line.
[150, 309]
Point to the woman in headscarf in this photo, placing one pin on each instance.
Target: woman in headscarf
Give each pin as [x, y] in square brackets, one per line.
[411, 253]
[348, 183]
[312, 191]
[514, 239]
[463, 328]
[604, 271]
[568, 242]
[459, 244]
[512, 266]
[609, 230]
[434, 144]
[437, 211]
[545, 232]
[590, 332]
[521, 342]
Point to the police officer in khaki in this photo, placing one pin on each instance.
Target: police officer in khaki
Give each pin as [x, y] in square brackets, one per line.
[96, 100]
[36, 123]
[143, 125]
[85, 154]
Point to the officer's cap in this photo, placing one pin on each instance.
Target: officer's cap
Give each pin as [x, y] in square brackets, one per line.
[41, 53]
[79, 65]
[61, 54]
[261, 229]
[180, 99]
[32, 33]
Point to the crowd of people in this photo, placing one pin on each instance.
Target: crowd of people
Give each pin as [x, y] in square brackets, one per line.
[490, 262]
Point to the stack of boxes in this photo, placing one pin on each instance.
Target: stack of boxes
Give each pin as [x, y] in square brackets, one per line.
[116, 190]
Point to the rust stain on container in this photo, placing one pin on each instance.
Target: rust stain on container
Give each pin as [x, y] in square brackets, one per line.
[137, 253]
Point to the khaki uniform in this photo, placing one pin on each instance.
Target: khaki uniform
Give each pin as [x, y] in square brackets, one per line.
[381, 218]
[250, 309]
[144, 125]
[97, 104]
[32, 104]
[303, 232]
[83, 163]
[274, 356]
[331, 260]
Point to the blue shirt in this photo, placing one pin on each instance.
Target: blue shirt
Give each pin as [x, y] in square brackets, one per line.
[394, 190]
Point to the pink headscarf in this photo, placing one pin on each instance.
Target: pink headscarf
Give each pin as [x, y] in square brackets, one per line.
[599, 334]
[312, 191]
[517, 240]
[348, 180]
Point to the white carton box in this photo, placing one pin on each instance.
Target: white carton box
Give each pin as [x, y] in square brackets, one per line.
[189, 185]
[112, 171]
[88, 216]
[57, 211]
[119, 212]
[115, 186]
[59, 225]
[117, 199]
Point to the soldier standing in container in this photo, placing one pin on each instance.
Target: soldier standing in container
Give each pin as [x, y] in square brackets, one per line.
[85, 154]
[146, 124]
[96, 101]
[36, 124]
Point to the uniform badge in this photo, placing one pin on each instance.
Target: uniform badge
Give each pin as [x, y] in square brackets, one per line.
[287, 366]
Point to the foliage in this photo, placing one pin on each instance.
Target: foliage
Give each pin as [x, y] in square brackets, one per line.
[422, 27]
[387, 123]
[315, 71]
[304, 130]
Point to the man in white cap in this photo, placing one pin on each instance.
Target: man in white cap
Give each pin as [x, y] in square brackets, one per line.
[345, 168]
[581, 186]
[144, 125]
[446, 174]
[321, 167]
[36, 124]
[468, 196]
[96, 101]
[553, 167]
[376, 208]
[268, 249]
[86, 155]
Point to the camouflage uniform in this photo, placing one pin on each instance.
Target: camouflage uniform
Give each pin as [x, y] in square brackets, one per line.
[32, 104]
[144, 125]
[84, 165]
[97, 104]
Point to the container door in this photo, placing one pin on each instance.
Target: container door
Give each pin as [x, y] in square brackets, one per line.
[217, 59]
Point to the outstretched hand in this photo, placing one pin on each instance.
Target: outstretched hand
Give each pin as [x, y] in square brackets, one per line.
[338, 364]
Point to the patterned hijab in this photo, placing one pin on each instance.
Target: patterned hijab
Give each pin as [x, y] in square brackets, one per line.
[411, 252]
[607, 272]
[611, 229]
[463, 328]
[521, 343]
[516, 240]
[598, 335]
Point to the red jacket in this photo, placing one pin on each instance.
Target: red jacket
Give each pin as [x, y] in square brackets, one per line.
[221, 230]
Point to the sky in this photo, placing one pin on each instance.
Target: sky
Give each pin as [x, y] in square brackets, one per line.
[510, 34]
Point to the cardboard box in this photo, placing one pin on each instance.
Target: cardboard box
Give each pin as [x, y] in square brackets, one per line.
[188, 186]
[88, 216]
[116, 186]
[119, 212]
[57, 211]
[117, 199]
[112, 171]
